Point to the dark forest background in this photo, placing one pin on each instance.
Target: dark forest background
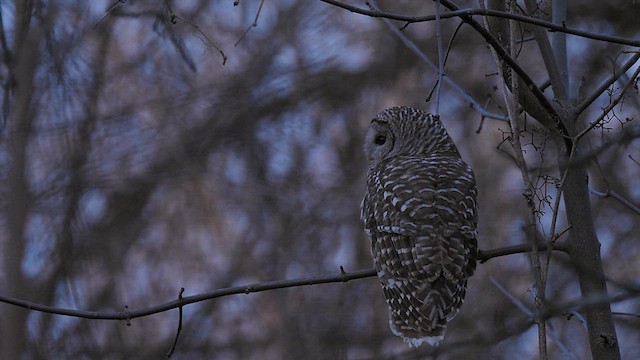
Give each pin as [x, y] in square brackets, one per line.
[134, 161]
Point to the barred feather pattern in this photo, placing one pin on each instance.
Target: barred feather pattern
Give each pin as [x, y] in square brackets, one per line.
[420, 214]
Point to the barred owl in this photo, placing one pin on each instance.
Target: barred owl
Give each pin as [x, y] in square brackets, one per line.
[420, 215]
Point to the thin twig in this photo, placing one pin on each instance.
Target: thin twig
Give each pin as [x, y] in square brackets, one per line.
[625, 314]
[552, 229]
[450, 45]
[609, 107]
[589, 300]
[173, 17]
[252, 25]
[568, 354]
[617, 197]
[617, 72]
[425, 59]
[581, 319]
[629, 134]
[552, 120]
[513, 299]
[446, 58]
[559, 43]
[440, 56]
[175, 341]
[108, 12]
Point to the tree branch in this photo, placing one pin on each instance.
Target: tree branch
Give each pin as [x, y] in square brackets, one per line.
[559, 86]
[624, 137]
[559, 43]
[609, 107]
[617, 73]
[483, 256]
[243, 289]
[486, 255]
[425, 59]
[173, 18]
[252, 25]
[611, 193]
[486, 12]
[550, 118]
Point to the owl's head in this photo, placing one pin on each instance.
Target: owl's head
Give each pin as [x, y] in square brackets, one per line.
[405, 131]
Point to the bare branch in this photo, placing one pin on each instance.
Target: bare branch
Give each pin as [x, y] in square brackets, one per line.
[617, 197]
[520, 305]
[175, 341]
[617, 72]
[552, 120]
[486, 255]
[553, 69]
[485, 12]
[173, 18]
[610, 107]
[108, 12]
[515, 301]
[425, 59]
[343, 276]
[440, 55]
[252, 25]
[625, 314]
[246, 289]
[591, 299]
[624, 137]
[559, 43]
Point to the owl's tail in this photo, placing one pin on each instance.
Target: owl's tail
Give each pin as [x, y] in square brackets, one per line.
[414, 338]
[416, 342]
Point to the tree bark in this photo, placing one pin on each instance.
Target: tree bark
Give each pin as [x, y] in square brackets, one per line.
[584, 247]
[584, 251]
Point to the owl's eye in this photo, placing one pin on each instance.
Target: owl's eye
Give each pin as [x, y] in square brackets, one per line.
[380, 140]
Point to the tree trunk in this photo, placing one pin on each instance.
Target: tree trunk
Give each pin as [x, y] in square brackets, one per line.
[584, 251]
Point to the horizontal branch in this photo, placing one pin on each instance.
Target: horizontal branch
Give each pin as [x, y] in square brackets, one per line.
[486, 12]
[486, 255]
[243, 289]
[343, 276]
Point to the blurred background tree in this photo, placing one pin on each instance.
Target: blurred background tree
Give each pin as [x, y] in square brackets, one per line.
[135, 163]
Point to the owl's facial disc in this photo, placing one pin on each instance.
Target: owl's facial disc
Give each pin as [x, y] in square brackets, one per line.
[379, 142]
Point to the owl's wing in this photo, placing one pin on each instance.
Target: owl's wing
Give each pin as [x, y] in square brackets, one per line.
[422, 218]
